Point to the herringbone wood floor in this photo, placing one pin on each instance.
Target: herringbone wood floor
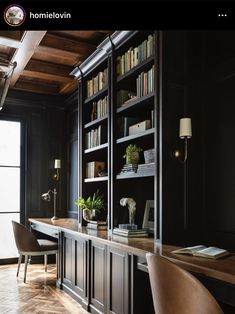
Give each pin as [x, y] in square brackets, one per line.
[38, 295]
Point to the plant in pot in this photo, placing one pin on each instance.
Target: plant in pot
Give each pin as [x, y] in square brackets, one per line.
[132, 154]
[92, 206]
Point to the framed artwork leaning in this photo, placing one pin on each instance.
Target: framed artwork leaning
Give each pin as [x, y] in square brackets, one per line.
[148, 221]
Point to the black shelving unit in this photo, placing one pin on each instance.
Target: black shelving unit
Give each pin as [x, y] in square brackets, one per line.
[141, 186]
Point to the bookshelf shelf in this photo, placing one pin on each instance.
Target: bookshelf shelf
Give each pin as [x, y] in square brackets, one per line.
[98, 179]
[96, 121]
[134, 175]
[136, 70]
[134, 136]
[96, 95]
[143, 101]
[90, 150]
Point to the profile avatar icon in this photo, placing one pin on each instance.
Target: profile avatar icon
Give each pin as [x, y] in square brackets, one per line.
[14, 15]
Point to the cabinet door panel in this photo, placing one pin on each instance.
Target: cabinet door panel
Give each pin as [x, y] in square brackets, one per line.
[68, 260]
[81, 267]
[98, 277]
[118, 281]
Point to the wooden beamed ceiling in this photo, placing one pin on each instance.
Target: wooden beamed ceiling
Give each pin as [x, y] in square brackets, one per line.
[45, 59]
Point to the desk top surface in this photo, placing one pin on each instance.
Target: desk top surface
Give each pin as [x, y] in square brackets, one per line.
[221, 269]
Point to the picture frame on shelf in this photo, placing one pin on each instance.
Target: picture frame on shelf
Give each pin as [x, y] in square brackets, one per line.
[148, 220]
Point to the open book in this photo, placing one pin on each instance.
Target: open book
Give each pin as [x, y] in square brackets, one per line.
[203, 251]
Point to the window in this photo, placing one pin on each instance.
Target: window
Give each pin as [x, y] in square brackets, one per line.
[10, 166]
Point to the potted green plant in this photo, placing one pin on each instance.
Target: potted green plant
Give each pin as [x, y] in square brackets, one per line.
[132, 154]
[92, 206]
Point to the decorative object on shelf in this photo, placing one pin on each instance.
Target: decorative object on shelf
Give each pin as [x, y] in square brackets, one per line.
[92, 206]
[132, 154]
[93, 168]
[7, 70]
[185, 132]
[148, 221]
[149, 155]
[46, 197]
[130, 202]
[140, 127]
[57, 167]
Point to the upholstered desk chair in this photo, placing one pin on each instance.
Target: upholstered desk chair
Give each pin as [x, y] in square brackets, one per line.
[176, 291]
[28, 245]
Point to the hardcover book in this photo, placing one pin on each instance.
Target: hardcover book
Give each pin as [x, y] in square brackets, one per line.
[203, 251]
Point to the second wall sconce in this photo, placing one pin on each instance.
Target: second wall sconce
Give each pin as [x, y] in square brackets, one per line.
[57, 167]
[185, 133]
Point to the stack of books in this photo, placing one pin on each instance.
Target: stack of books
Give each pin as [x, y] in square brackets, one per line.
[129, 168]
[146, 168]
[97, 225]
[130, 233]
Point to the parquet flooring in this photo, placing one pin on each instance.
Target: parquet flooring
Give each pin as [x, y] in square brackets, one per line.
[38, 295]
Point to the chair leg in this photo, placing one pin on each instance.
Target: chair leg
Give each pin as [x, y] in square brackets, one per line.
[45, 262]
[25, 267]
[19, 262]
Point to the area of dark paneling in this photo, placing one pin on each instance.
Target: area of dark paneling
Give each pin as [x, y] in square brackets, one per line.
[44, 141]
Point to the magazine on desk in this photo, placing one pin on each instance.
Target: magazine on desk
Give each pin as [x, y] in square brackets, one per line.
[203, 251]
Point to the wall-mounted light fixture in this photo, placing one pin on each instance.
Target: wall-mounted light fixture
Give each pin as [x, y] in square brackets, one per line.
[47, 197]
[57, 167]
[185, 132]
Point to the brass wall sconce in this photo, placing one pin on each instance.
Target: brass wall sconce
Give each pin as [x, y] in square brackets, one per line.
[185, 133]
[57, 167]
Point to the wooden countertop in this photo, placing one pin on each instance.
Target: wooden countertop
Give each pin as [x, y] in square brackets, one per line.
[221, 269]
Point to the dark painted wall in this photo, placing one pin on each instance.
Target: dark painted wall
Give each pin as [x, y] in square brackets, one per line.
[44, 141]
[198, 198]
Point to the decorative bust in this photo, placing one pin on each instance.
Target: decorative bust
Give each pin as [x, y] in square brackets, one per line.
[130, 202]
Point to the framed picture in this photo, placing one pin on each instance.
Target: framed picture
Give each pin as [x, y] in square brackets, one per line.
[148, 221]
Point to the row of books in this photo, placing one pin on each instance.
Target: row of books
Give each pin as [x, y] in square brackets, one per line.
[148, 168]
[93, 168]
[129, 168]
[130, 233]
[99, 108]
[97, 225]
[134, 56]
[145, 83]
[97, 83]
[93, 138]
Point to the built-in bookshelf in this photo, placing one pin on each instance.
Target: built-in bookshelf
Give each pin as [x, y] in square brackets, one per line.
[118, 107]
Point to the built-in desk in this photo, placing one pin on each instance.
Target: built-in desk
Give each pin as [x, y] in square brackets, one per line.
[109, 263]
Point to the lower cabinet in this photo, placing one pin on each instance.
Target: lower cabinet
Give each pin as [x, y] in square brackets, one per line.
[96, 275]
[74, 278]
[118, 281]
[98, 278]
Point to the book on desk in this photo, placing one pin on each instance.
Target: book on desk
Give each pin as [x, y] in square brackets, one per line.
[203, 251]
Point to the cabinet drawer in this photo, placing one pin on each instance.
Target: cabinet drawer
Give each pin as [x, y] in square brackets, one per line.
[52, 232]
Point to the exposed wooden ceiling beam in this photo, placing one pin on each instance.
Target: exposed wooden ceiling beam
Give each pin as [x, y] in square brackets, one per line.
[46, 76]
[30, 41]
[59, 56]
[69, 87]
[77, 46]
[36, 88]
[50, 68]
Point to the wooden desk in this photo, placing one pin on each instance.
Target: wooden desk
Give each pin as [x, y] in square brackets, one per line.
[221, 271]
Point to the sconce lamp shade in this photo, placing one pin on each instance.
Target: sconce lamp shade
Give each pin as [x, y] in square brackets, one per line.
[185, 130]
[57, 164]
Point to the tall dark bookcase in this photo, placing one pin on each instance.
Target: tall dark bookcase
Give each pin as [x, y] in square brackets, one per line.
[132, 94]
